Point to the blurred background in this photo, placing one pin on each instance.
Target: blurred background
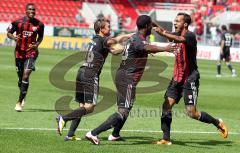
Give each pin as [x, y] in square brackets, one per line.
[69, 23]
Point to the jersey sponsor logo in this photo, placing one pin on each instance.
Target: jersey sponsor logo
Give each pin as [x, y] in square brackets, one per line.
[27, 34]
[34, 29]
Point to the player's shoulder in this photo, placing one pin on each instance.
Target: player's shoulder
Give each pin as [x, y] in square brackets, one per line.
[40, 23]
[190, 34]
[17, 20]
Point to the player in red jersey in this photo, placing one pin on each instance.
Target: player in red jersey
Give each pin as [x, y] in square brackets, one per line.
[185, 81]
[29, 35]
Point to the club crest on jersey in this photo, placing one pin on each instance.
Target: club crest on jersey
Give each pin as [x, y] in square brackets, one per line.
[34, 29]
[27, 34]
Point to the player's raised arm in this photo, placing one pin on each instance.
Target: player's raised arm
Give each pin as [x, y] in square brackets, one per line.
[168, 35]
[155, 49]
[115, 43]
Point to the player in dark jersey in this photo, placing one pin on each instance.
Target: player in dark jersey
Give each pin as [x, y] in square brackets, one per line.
[88, 75]
[127, 77]
[226, 43]
[29, 35]
[185, 81]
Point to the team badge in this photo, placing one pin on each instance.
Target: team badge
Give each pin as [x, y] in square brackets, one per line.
[34, 28]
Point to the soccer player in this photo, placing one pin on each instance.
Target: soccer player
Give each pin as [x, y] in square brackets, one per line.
[88, 75]
[185, 81]
[127, 77]
[226, 43]
[29, 35]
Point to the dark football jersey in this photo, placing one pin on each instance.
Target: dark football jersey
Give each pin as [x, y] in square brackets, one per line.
[227, 38]
[28, 30]
[134, 58]
[185, 58]
[95, 56]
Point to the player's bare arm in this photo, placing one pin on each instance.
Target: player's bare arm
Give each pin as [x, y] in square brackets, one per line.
[115, 43]
[222, 46]
[165, 33]
[155, 49]
[13, 37]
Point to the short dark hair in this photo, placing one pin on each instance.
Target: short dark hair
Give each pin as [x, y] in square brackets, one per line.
[99, 24]
[224, 27]
[28, 4]
[186, 17]
[142, 21]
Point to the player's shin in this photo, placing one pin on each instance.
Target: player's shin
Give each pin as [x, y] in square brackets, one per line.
[108, 124]
[219, 69]
[23, 90]
[206, 118]
[118, 127]
[75, 114]
[166, 121]
[73, 127]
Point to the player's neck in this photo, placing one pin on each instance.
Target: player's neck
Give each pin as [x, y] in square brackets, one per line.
[143, 33]
[101, 34]
[184, 31]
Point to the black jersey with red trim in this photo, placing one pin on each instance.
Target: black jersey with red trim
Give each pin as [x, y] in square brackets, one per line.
[185, 58]
[95, 56]
[29, 30]
[135, 57]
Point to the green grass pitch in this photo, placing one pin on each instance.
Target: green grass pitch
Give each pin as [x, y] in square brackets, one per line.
[33, 130]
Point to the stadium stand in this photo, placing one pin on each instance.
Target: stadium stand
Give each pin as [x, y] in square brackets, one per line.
[63, 12]
[51, 12]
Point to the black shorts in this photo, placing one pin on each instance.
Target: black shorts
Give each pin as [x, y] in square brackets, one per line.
[188, 90]
[86, 88]
[126, 90]
[226, 54]
[26, 63]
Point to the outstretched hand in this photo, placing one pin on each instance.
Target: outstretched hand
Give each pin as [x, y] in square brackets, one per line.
[170, 47]
[159, 30]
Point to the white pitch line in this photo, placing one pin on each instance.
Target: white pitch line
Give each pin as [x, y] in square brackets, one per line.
[139, 131]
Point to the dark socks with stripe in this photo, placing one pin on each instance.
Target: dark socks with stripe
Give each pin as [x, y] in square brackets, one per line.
[108, 124]
[75, 114]
[166, 121]
[23, 90]
[206, 118]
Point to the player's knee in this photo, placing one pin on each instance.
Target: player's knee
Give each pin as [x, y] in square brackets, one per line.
[124, 112]
[192, 113]
[25, 77]
[89, 108]
[167, 105]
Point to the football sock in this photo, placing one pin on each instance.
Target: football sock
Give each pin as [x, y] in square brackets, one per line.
[109, 123]
[219, 69]
[75, 114]
[229, 67]
[206, 118]
[19, 84]
[23, 90]
[118, 127]
[166, 121]
[73, 127]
